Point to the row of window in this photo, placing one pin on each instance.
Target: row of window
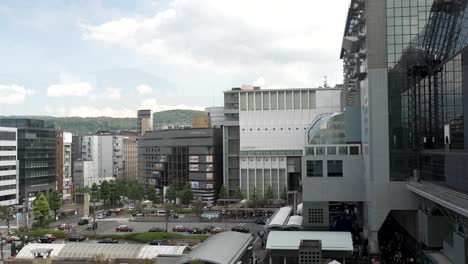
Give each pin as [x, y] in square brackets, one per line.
[8, 177]
[7, 197]
[6, 168]
[8, 187]
[274, 129]
[277, 100]
[10, 136]
[5, 158]
[7, 148]
[315, 168]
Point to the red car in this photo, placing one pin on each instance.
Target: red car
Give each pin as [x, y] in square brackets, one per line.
[180, 228]
[216, 230]
[64, 227]
[51, 237]
[124, 228]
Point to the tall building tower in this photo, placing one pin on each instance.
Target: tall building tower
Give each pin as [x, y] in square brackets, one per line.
[8, 166]
[145, 121]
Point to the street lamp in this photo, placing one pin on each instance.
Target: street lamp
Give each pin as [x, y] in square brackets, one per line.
[113, 198]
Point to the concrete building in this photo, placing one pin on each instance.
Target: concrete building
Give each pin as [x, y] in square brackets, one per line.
[105, 150]
[130, 156]
[9, 166]
[201, 122]
[36, 156]
[181, 156]
[264, 133]
[145, 121]
[405, 69]
[67, 164]
[216, 115]
[85, 174]
[59, 160]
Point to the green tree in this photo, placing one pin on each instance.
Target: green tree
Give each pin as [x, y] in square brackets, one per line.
[151, 193]
[105, 191]
[171, 193]
[254, 198]
[222, 193]
[94, 192]
[239, 194]
[55, 202]
[197, 206]
[269, 194]
[284, 194]
[41, 207]
[136, 191]
[186, 196]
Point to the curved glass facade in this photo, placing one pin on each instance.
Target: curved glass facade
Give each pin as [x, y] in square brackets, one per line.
[330, 129]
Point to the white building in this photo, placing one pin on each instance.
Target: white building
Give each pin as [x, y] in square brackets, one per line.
[8, 166]
[216, 115]
[67, 164]
[264, 133]
[106, 152]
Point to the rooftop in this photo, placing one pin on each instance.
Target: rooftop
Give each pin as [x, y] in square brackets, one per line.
[291, 240]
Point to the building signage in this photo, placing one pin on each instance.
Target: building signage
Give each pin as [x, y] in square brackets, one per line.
[209, 186]
[194, 184]
[193, 159]
[209, 159]
[209, 176]
[209, 167]
[193, 167]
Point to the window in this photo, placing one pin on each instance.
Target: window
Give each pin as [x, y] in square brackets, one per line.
[7, 136]
[281, 100]
[335, 168]
[289, 100]
[266, 101]
[312, 100]
[314, 168]
[243, 101]
[258, 101]
[274, 100]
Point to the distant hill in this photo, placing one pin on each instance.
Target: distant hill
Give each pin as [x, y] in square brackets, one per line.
[89, 125]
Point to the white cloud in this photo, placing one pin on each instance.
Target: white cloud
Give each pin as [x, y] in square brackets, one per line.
[295, 43]
[144, 89]
[259, 82]
[13, 94]
[112, 93]
[70, 89]
[153, 104]
[56, 111]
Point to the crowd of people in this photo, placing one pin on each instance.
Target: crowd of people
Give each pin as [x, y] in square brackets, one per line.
[393, 245]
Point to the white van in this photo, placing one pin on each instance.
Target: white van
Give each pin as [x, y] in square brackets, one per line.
[161, 213]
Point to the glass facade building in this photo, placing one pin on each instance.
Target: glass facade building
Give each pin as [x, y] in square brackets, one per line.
[36, 156]
[428, 86]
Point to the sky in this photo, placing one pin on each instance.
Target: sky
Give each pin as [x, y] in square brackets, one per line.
[111, 58]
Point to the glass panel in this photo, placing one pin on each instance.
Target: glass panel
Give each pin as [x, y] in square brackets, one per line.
[311, 99]
[342, 151]
[320, 150]
[274, 100]
[289, 100]
[335, 168]
[314, 168]
[258, 101]
[243, 102]
[354, 150]
[304, 99]
[297, 100]
[250, 97]
[331, 150]
[281, 100]
[266, 101]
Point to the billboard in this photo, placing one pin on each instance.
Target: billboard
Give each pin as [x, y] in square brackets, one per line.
[194, 184]
[193, 167]
[209, 186]
[209, 159]
[193, 159]
[209, 176]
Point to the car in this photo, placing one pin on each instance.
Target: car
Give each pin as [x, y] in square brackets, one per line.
[45, 239]
[83, 222]
[216, 230]
[157, 229]
[180, 228]
[240, 229]
[130, 208]
[100, 216]
[92, 226]
[124, 228]
[158, 243]
[260, 222]
[108, 241]
[64, 227]
[76, 238]
[138, 214]
[208, 228]
[51, 236]
[197, 231]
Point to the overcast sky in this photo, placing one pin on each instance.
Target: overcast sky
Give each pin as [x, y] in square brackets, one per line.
[110, 58]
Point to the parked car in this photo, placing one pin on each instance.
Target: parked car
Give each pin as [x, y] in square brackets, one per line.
[45, 239]
[92, 226]
[131, 208]
[124, 228]
[76, 238]
[197, 231]
[108, 241]
[51, 236]
[157, 229]
[100, 216]
[260, 222]
[83, 222]
[216, 230]
[208, 228]
[180, 228]
[64, 227]
[240, 229]
[157, 243]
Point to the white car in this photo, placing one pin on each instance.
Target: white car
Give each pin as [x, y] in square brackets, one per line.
[100, 216]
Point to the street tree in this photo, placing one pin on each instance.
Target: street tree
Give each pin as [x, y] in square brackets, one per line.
[105, 191]
[197, 206]
[171, 194]
[284, 194]
[151, 193]
[186, 196]
[222, 193]
[254, 198]
[239, 194]
[41, 207]
[55, 202]
[94, 192]
[269, 193]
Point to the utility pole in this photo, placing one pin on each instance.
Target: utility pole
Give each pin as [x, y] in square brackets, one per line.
[94, 217]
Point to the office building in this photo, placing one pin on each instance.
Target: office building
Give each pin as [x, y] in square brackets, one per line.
[130, 156]
[36, 156]
[63, 154]
[8, 166]
[216, 115]
[145, 121]
[405, 68]
[264, 135]
[85, 174]
[105, 150]
[182, 156]
[201, 122]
